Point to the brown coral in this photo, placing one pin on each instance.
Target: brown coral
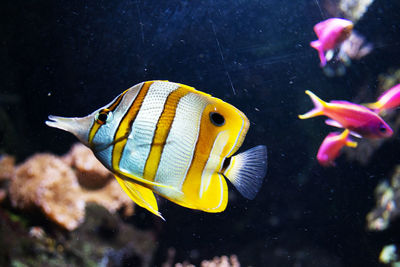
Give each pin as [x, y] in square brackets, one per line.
[91, 173]
[111, 197]
[6, 167]
[52, 185]
[223, 261]
[45, 181]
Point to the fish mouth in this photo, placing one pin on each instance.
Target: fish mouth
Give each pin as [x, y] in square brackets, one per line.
[77, 126]
[347, 30]
[63, 123]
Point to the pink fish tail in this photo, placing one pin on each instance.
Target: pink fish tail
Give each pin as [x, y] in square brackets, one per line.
[318, 109]
[376, 106]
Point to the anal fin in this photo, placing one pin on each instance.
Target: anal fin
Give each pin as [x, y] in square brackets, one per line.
[334, 123]
[142, 196]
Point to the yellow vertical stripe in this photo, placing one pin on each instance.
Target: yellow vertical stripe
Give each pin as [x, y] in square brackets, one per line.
[161, 133]
[125, 125]
[205, 141]
[213, 200]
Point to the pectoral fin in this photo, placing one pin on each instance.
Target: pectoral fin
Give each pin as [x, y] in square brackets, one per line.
[142, 196]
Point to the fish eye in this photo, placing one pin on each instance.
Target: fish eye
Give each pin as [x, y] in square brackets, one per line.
[382, 129]
[217, 119]
[104, 116]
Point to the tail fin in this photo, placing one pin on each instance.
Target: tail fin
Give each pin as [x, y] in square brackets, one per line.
[376, 106]
[246, 171]
[318, 110]
[318, 46]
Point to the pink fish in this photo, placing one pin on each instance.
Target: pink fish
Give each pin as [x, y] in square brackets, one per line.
[388, 100]
[358, 119]
[331, 33]
[331, 146]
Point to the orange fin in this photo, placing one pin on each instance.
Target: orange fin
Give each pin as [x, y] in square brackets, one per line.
[142, 196]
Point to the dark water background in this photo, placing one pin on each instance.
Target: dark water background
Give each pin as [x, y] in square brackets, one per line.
[70, 57]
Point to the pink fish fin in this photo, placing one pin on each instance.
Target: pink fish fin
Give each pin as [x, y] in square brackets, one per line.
[318, 109]
[355, 134]
[341, 102]
[318, 46]
[336, 124]
[320, 27]
[315, 44]
[333, 123]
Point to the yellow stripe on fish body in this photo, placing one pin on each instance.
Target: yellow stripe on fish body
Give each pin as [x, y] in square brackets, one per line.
[173, 140]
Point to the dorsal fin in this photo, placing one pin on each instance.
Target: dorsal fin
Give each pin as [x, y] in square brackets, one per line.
[320, 27]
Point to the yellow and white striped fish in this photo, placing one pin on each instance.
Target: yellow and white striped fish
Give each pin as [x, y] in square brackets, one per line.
[171, 139]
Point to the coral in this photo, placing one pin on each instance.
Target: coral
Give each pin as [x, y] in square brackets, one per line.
[349, 9]
[45, 181]
[103, 239]
[61, 187]
[354, 9]
[91, 173]
[354, 47]
[7, 164]
[223, 261]
[387, 203]
[389, 255]
[111, 197]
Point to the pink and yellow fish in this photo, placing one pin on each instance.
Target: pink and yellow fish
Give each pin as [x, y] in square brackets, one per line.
[360, 120]
[170, 139]
[331, 33]
[388, 100]
[331, 146]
